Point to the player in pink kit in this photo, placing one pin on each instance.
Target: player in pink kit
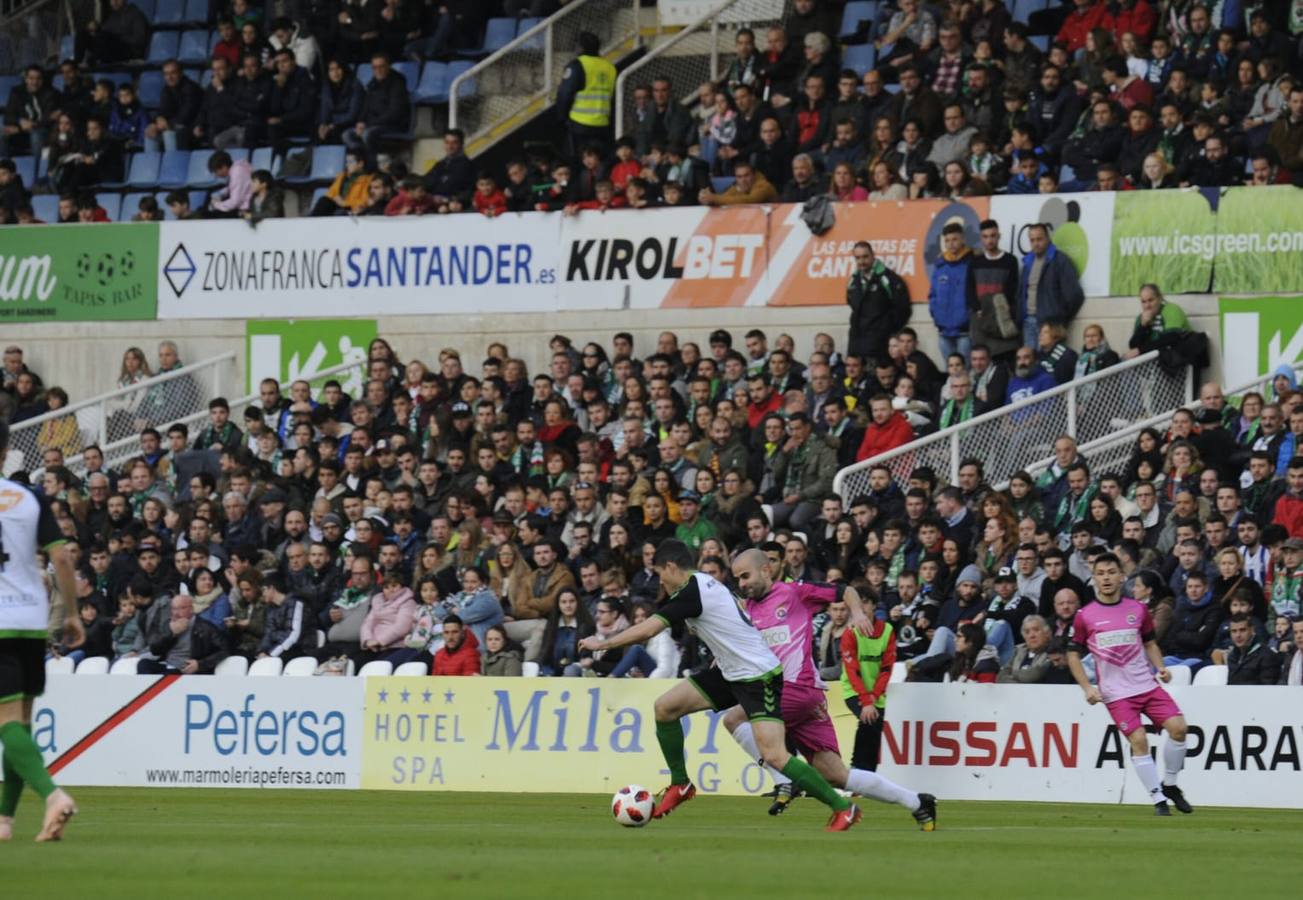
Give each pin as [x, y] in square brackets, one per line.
[1119, 633]
[784, 613]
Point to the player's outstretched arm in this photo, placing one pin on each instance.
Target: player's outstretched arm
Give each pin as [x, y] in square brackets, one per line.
[1156, 660]
[643, 631]
[1083, 681]
[859, 618]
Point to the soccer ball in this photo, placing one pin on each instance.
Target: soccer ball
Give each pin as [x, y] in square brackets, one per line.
[632, 806]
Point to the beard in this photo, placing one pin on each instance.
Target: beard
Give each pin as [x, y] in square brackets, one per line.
[1024, 371]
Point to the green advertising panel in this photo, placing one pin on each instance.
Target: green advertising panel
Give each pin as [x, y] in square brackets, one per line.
[79, 273]
[1260, 240]
[1258, 334]
[290, 349]
[1164, 237]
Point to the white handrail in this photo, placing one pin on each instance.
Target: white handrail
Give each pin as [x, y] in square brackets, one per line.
[120, 393]
[955, 431]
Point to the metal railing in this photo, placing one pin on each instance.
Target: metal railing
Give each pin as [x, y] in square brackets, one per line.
[116, 453]
[695, 54]
[30, 30]
[1013, 437]
[122, 413]
[494, 97]
[1112, 452]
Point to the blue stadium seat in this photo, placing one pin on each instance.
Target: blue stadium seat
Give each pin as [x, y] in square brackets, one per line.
[196, 11]
[317, 195]
[169, 14]
[709, 150]
[193, 47]
[860, 57]
[266, 158]
[162, 46]
[144, 169]
[26, 166]
[893, 88]
[455, 69]
[112, 204]
[7, 84]
[46, 207]
[174, 170]
[150, 88]
[856, 12]
[432, 87]
[363, 73]
[197, 174]
[131, 204]
[118, 78]
[1022, 9]
[327, 162]
[525, 24]
[497, 34]
[67, 45]
[720, 183]
[410, 72]
[148, 7]
[1040, 41]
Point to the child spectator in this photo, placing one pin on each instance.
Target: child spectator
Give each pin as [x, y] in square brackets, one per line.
[128, 121]
[267, 201]
[489, 198]
[606, 199]
[626, 166]
[556, 195]
[126, 626]
[412, 199]
[671, 194]
[179, 203]
[229, 201]
[520, 187]
[349, 192]
[148, 211]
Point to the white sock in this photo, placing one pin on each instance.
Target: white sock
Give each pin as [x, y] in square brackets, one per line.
[1148, 773]
[746, 739]
[874, 786]
[1173, 760]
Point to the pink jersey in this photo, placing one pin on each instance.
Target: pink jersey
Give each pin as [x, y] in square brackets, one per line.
[1115, 634]
[785, 617]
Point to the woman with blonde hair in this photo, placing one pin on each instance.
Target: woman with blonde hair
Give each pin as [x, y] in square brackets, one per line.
[507, 569]
[1156, 173]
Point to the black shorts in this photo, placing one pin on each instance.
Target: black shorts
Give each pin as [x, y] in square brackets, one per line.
[760, 698]
[22, 668]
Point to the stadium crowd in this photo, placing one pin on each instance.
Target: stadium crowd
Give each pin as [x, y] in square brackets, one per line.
[923, 99]
[475, 517]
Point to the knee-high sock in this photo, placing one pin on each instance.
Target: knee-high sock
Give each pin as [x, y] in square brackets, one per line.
[814, 784]
[670, 736]
[1148, 773]
[746, 739]
[22, 755]
[1173, 760]
[872, 785]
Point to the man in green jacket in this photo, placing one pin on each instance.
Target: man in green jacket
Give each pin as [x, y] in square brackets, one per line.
[804, 472]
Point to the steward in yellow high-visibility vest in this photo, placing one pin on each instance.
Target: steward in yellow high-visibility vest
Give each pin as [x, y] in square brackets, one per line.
[585, 95]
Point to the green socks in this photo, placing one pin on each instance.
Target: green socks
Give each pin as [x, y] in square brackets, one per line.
[812, 782]
[24, 760]
[670, 736]
[12, 789]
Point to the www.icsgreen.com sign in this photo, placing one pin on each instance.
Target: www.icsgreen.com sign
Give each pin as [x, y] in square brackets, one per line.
[67, 273]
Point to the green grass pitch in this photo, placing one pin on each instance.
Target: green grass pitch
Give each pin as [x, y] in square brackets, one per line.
[275, 844]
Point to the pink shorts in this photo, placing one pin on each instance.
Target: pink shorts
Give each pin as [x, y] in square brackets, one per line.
[805, 715]
[1157, 705]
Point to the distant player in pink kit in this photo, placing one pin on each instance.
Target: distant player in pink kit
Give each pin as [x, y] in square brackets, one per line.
[1119, 633]
[784, 614]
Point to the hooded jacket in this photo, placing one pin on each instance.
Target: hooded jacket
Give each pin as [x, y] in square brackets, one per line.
[389, 619]
[465, 660]
[947, 299]
[879, 303]
[1194, 625]
[479, 611]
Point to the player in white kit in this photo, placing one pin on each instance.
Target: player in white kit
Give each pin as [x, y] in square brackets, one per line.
[27, 525]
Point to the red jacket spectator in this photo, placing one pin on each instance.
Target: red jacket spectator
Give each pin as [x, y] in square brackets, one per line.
[1081, 20]
[464, 659]
[621, 173]
[494, 204]
[416, 203]
[1137, 17]
[756, 412]
[1289, 514]
[879, 438]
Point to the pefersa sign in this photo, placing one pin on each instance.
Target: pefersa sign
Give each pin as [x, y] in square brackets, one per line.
[69, 273]
[202, 732]
[226, 269]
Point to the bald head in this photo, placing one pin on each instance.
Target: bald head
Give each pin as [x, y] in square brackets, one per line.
[752, 572]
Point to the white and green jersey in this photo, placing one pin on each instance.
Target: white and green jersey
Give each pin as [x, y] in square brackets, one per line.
[716, 616]
[26, 525]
